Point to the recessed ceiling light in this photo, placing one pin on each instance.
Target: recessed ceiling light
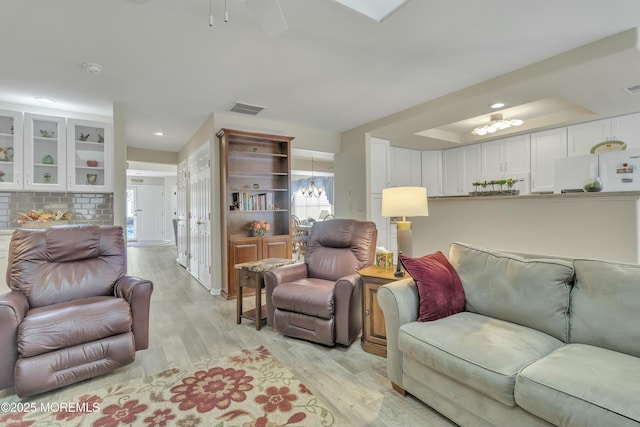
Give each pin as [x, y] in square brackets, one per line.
[497, 105]
[44, 100]
[158, 133]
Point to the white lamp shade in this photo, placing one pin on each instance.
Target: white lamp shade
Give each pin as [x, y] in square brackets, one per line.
[405, 201]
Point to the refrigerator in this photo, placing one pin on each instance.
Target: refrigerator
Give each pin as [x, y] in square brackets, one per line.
[620, 170]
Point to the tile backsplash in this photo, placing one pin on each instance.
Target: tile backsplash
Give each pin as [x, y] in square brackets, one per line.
[86, 208]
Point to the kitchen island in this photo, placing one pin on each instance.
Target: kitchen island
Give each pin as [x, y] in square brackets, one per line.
[587, 225]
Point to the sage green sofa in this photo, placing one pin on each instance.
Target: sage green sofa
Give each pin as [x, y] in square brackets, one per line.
[542, 341]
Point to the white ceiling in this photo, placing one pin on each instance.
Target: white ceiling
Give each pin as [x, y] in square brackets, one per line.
[333, 69]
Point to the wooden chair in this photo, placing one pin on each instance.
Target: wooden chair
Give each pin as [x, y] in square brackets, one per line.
[299, 240]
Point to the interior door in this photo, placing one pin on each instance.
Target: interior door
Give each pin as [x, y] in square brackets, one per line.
[149, 213]
[200, 214]
[181, 215]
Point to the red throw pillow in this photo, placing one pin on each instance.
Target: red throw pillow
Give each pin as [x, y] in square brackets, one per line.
[439, 287]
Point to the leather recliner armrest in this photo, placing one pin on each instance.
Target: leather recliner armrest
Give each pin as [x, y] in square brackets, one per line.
[13, 308]
[348, 308]
[273, 278]
[137, 292]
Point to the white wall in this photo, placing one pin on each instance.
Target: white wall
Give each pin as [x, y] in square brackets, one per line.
[573, 225]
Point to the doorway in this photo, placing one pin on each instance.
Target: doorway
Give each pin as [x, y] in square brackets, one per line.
[145, 213]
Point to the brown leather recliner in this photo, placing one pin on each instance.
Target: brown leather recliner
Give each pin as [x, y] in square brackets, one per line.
[72, 313]
[320, 300]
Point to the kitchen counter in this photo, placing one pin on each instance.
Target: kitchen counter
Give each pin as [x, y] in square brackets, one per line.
[603, 225]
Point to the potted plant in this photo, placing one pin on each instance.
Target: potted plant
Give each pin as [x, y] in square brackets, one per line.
[258, 228]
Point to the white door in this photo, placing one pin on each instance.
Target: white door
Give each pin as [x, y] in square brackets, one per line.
[181, 214]
[149, 213]
[200, 214]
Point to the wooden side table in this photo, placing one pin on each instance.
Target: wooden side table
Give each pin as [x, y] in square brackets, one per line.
[251, 275]
[374, 333]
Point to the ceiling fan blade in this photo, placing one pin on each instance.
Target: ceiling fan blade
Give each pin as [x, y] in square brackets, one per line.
[268, 14]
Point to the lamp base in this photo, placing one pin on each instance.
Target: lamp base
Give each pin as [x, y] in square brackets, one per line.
[405, 240]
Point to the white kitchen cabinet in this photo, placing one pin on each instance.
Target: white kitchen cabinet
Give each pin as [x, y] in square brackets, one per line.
[432, 172]
[382, 223]
[627, 129]
[582, 137]
[44, 153]
[461, 169]
[504, 157]
[379, 165]
[406, 168]
[89, 156]
[11, 150]
[546, 147]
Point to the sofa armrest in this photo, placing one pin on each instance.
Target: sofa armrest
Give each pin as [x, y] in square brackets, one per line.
[348, 308]
[399, 303]
[13, 308]
[284, 274]
[137, 292]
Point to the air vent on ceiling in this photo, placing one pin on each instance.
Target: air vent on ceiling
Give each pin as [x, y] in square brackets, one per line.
[242, 108]
[631, 90]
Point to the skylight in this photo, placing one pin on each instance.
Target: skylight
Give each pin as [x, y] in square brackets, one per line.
[377, 10]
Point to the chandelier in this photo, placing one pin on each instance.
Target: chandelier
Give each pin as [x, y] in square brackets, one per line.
[312, 190]
[496, 123]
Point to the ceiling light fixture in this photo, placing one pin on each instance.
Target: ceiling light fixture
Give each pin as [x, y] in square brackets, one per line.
[312, 190]
[378, 10]
[496, 123]
[44, 100]
[158, 133]
[497, 105]
[92, 67]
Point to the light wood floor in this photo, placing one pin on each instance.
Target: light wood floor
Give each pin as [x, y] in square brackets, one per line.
[188, 324]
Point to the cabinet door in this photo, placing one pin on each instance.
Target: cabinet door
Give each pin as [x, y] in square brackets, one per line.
[401, 167]
[276, 247]
[471, 168]
[382, 223]
[546, 148]
[11, 150]
[240, 250]
[516, 155]
[379, 165]
[374, 329]
[584, 136]
[492, 158]
[45, 155]
[431, 162]
[89, 156]
[627, 129]
[452, 166]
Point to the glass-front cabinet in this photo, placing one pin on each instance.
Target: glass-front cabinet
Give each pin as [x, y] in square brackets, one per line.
[44, 153]
[89, 155]
[10, 150]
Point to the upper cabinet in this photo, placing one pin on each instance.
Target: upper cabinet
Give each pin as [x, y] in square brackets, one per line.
[546, 147]
[89, 156]
[406, 169]
[461, 168]
[584, 136]
[432, 172]
[44, 153]
[504, 157]
[11, 152]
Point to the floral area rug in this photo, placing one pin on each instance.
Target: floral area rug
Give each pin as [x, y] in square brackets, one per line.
[245, 389]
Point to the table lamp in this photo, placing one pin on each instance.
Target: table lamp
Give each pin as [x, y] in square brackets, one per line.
[404, 202]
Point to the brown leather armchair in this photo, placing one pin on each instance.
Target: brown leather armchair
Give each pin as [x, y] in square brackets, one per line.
[72, 312]
[320, 300]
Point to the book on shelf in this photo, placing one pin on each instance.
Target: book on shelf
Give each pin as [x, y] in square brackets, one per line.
[244, 201]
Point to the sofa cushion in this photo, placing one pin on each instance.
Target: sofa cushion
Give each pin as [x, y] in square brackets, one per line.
[484, 353]
[57, 326]
[529, 292]
[439, 286]
[605, 306]
[582, 385]
[313, 297]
